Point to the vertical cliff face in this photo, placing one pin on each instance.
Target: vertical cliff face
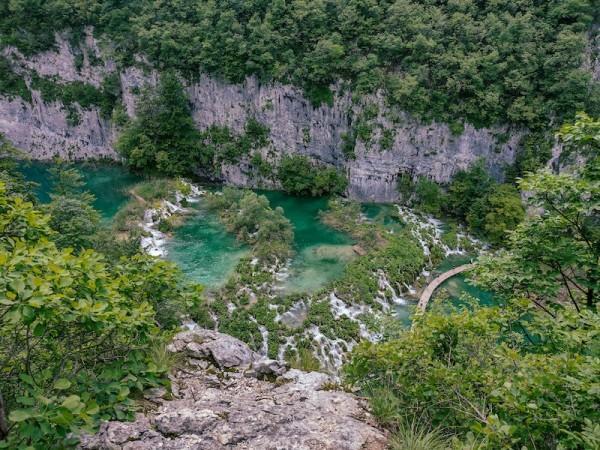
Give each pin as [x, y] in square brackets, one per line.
[42, 130]
[296, 126]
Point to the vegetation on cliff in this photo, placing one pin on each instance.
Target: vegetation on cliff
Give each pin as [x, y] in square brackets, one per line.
[524, 373]
[507, 61]
[299, 176]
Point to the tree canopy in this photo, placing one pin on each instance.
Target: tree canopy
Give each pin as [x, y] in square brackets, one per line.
[506, 61]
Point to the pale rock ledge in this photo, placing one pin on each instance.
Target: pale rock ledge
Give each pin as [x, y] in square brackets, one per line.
[226, 396]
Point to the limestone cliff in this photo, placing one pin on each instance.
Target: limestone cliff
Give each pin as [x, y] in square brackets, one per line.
[296, 126]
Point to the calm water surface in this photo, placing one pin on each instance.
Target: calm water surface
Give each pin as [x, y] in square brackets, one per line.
[208, 254]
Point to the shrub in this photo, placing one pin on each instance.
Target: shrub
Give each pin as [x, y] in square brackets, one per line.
[465, 362]
[299, 176]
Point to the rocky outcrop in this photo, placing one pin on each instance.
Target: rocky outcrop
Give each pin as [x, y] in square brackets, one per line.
[221, 401]
[296, 126]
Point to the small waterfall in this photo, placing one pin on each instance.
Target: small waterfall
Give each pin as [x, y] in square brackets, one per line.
[154, 241]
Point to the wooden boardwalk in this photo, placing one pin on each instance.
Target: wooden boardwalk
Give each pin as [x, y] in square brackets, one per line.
[428, 292]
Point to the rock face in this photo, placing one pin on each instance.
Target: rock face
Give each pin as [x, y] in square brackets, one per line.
[232, 409]
[296, 126]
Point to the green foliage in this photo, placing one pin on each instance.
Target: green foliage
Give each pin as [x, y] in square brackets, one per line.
[478, 373]
[534, 152]
[387, 139]
[520, 375]
[299, 176]
[77, 92]
[349, 144]
[429, 198]
[75, 221]
[264, 167]
[399, 256]
[163, 136]
[479, 62]
[221, 145]
[252, 220]
[12, 84]
[582, 137]
[554, 254]
[305, 360]
[71, 341]
[79, 338]
[13, 179]
[72, 215]
[412, 435]
[496, 213]
[466, 187]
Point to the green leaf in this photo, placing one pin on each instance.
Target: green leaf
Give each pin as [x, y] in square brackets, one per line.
[39, 330]
[62, 384]
[72, 402]
[92, 408]
[19, 415]
[27, 379]
[63, 416]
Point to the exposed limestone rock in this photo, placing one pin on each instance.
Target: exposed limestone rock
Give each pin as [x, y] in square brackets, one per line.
[296, 126]
[226, 351]
[228, 409]
[42, 130]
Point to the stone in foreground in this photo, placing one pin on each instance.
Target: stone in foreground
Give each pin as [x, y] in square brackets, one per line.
[220, 404]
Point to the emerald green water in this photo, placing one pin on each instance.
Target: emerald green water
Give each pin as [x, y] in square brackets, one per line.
[321, 252]
[108, 182]
[208, 254]
[204, 250]
[458, 286]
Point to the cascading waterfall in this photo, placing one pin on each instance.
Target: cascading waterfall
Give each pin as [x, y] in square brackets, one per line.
[154, 242]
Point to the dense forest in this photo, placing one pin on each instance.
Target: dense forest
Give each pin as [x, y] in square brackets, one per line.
[519, 62]
[86, 313]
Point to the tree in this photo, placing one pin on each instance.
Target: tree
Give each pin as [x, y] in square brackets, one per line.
[553, 257]
[499, 211]
[75, 333]
[490, 377]
[428, 196]
[13, 180]
[72, 215]
[299, 176]
[163, 135]
[466, 187]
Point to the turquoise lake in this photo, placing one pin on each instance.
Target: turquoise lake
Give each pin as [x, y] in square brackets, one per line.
[208, 254]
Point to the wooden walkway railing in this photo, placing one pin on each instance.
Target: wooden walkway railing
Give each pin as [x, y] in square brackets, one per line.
[428, 292]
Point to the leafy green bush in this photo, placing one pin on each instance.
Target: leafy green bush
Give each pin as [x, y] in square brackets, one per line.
[77, 92]
[479, 373]
[465, 188]
[429, 198]
[78, 335]
[499, 211]
[73, 334]
[299, 176]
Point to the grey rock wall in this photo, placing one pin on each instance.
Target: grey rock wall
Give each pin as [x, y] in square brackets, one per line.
[296, 127]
